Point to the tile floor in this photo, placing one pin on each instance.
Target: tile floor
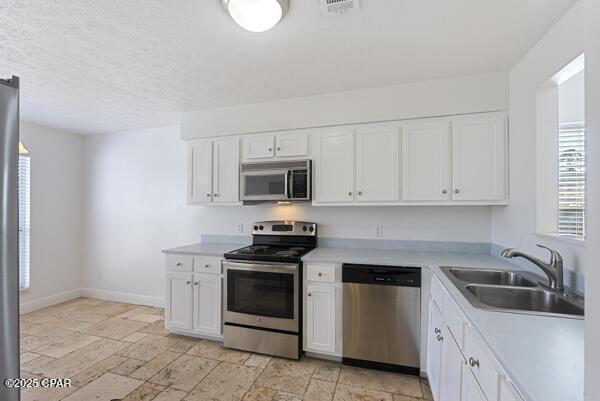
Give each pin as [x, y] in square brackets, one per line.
[117, 351]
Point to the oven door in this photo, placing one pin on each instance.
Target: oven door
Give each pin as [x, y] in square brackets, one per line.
[264, 185]
[262, 294]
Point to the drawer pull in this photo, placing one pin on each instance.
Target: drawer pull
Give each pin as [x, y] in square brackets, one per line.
[309, 294]
[473, 362]
[437, 331]
[320, 274]
[206, 266]
[440, 338]
[188, 282]
[178, 264]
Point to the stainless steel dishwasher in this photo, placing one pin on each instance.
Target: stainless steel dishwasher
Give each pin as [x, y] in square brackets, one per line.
[382, 317]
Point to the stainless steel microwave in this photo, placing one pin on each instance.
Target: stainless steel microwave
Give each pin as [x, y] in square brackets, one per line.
[277, 181]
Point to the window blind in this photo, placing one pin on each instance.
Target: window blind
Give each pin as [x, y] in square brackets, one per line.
[24, 187]
[571, 180]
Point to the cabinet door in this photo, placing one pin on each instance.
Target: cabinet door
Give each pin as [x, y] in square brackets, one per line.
[508, 392]
[434, 349]
[178, 311]
[207, 303]
[453, 363]
[320, 318]
[291, 144]
[226, 166]
[470, 388]
[377, 163]
[200, 171]
[259, 146]
[334, 165]
[479, 158]
[426, 162]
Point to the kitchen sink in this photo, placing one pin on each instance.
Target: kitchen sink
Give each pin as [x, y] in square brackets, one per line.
[495, 277]
[513, 291]
[525, 299]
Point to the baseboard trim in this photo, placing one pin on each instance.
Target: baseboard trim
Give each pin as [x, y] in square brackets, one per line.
[36, 304]
[126, 297]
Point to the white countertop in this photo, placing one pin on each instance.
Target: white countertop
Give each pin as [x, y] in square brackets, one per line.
[204, 248]
[543, 356]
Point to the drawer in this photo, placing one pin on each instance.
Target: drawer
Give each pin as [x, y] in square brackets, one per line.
[454, 320]
[321, 272]
[482, 364]
[182, 263]
[207, 264]
[437, 292]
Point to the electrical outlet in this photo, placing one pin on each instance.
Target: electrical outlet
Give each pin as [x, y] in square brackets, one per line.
[239, 228]
[379, 231]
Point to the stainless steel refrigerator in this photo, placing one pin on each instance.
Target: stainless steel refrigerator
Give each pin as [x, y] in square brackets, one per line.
[9, 240]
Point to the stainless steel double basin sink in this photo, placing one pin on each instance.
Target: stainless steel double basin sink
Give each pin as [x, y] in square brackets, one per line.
[513, 291]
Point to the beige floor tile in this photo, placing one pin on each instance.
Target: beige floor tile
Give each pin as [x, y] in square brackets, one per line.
[286, 375]
[134, 337]
[83, 358]
[106, 388]
[127, 367]
[170, 394]
[97, 370]
[157, 329]
[148, 347]
[349, 393]
[46, 394]
[260, 394]
[66, 345]
[140, 309]
[383, 381]
[32, 343]
[398, 397]
[228, 381]
[184, 344]
[327, 370]
[37, 363]
[27, 356]
[185, 372]
[152, 367]
[320, 390]
[283, 396]
[111, 309]
[258, 361]
[426, 389]
[214, 350]
[146, 318]
[145, 392]
[114, 328]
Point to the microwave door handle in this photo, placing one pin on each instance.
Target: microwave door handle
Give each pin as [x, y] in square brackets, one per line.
[288, 175]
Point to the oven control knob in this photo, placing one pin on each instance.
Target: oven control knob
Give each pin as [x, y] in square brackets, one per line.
[304, 228]
[261, 227]
[311, 229]
[255, 228]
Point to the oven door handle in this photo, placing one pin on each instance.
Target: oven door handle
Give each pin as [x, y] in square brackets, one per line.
[262, 267]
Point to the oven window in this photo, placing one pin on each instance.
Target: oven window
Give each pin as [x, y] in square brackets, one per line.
[260, 293]
[257, 185]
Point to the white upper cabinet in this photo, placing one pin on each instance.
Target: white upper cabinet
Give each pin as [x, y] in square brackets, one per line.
[280, 145]
[259, 146]
[426, 161]
[377, 171]
[226, 166]
[291, 144]
[200, 171]
[334, 165]
[479, 158]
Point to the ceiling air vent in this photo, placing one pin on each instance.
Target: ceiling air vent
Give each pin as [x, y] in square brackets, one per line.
[337, 7]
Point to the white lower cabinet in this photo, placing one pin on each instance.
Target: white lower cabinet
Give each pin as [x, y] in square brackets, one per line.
[207, 303]
[193, 300]
[178, 312]
[320, 317]
[453, 363]
[508, 392]
[435, 349]
[470, 388]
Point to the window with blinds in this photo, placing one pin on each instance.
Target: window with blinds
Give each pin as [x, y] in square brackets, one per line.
[24, 186]
[571, 180]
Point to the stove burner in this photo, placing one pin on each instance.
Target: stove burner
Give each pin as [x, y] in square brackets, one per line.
[297, 248]
[287, 252]
[255, 249]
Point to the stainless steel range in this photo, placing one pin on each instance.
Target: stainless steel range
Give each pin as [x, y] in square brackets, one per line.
[263, 290]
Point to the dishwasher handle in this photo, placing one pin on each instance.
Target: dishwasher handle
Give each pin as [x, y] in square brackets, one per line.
[404, 276]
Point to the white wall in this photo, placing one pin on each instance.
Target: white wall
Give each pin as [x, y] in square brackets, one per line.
[56, 189]
[571, 99]
[470, 94]
[135, 198]
[515, 224]
[592, 93]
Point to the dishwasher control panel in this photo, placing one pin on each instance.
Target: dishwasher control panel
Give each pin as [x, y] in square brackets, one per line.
[405, 276]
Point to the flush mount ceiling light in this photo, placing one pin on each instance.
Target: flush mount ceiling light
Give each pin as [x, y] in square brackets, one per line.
[256, 15]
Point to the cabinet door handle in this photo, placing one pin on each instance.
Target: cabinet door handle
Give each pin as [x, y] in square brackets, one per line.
[444, 191]
[215, 195]
[350, 193]
[278, 147]
[473, 362]
[188, 282]
[270, 149]
[178, 264]
[195, 283]
[360, 192]
[440, 338]
[456, 191]
[309, 294]
[206, 266]
[320, 274]
[208, 195]
[437, 331]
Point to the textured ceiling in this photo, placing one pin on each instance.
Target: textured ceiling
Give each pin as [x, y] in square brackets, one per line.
[110, 65]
